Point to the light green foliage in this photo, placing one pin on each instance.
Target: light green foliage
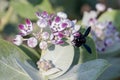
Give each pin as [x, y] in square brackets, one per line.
[24, 9]
[15, 64]
[113, 16]
[89, 70]
[8, 66]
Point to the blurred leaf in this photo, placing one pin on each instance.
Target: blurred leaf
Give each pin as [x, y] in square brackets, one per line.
[30, 52]
[8, 66]
[3, 7]
[84, 54]
[90, 70]
[31, 71]
[35, 2]
[24, 9]
[113, 16]
[61, 56]
[111, 51]
[113, 71]
[46, 6]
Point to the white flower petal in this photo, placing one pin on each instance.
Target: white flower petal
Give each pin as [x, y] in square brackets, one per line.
[62, 14]
[18, 40]
[77, 27]
[32, 42]
[71, 38]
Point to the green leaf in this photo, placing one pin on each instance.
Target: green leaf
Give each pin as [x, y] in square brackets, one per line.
[61, 57]
[90, 70]
[113, 71]
[113, 16]
[31, 71]
[8, 66]
[84, 54]
[24, 9]
[30, 52]
[46, 6]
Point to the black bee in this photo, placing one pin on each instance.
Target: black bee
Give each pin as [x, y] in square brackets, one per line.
[80, 40]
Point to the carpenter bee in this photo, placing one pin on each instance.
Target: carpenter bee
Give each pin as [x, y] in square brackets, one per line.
[80, 40]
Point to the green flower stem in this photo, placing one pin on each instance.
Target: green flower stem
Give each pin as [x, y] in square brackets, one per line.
[4, 20]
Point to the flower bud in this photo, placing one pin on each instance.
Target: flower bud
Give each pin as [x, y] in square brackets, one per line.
[32, 42]
[43, 45]
[18, 40]
[45, 35]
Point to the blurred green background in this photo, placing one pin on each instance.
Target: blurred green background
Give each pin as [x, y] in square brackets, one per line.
[14, 12]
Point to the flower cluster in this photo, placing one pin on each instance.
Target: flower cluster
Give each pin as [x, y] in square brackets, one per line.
[53, 29]
[104, 34]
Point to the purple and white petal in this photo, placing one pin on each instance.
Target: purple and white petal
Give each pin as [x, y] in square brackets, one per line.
[32, 42]
[44, 14]
[60, 34]
[28, 22]
[59, 42]
[42, 23]
[38, 15]
[57, 19]
[18, 40]
[21, 27]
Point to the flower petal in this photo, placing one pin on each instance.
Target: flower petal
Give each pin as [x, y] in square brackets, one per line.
[28, 22]
[21, 26]
[62, 14]
[42, 23]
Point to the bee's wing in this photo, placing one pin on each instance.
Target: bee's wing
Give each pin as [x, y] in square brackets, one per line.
[87, 32]
[87, 48]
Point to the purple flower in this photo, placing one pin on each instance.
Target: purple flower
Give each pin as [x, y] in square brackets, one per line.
[56, 38]
[42, 23]
[42, 15]
[44, 19]
[27, 28]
